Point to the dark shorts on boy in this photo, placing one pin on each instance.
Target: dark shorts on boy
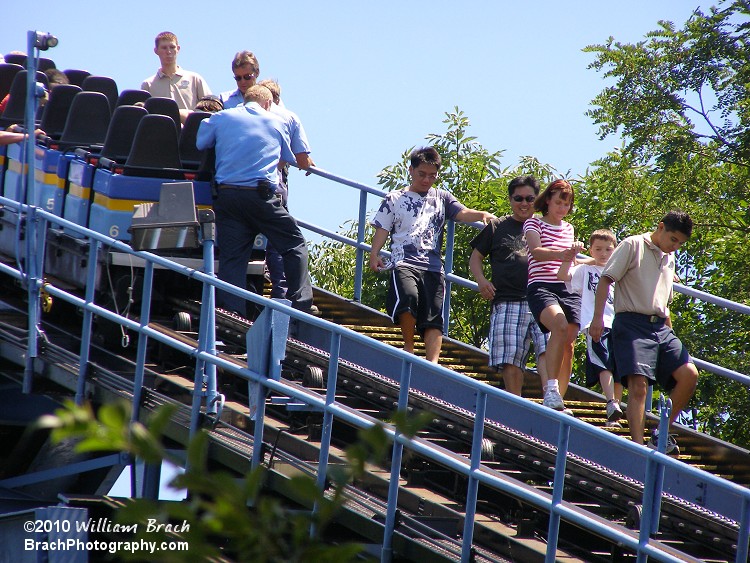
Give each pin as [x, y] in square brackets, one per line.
[645, 345]
[420, 292]
[598, 358]
[512, 330]
[542, 295]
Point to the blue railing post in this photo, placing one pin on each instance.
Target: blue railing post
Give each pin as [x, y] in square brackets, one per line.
[653, 483]
[473, 485]
[140, 358]
[744, 532]
[30, 115]
[451, 232]
[205, 372]
[558, 486]
[35, 241]
[360, 253]
[327, 428]
[398, 449]
[88, 321]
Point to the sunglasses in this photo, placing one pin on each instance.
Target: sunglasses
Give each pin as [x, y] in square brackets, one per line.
[527, 199]
[244, 77]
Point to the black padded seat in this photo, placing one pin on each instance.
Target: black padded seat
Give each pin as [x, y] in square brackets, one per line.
[190, 156]
[8, 71]
[14, 111]
[45, 64]
[121, 132]
[15, 59]
[76, 76]
[132, 97]
[55, 111]
[103, 84]
[155, 151]
[164, 106]
[88, 121]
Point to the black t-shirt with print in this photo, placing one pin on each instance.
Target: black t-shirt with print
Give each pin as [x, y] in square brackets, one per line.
[503, 241]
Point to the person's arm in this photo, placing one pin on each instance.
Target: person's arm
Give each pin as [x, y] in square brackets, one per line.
[597, 322]
[304, 161]
[378, 240]
[543, 254]
[486, 288]
[470, 215]
[563, 272]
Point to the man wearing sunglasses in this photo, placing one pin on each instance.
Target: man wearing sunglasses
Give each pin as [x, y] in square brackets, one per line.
[512, 326]
[245, 70]
[173, 81]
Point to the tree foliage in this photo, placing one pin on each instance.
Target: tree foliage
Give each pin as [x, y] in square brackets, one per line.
[230, 518]
[680, 99]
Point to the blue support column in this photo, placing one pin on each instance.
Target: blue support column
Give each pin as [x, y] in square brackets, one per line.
[473, 485]
[557, 492]
[359, 262]
[327, 429]
[451, 233]
[205, 372]
[398, 450]
[87, 322]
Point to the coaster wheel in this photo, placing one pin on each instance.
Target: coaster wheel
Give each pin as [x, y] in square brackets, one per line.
[313, 377]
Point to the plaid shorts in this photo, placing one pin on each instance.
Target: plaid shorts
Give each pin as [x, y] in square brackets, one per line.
[512, 329]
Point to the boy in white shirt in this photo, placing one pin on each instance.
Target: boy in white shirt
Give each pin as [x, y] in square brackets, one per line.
[583, 279]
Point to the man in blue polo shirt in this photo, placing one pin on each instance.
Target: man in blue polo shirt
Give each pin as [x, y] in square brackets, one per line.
[249, 143]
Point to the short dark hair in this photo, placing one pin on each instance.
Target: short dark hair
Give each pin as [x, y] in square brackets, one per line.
[679, 221]
[521, 181]
[541, 203]
[426, 155]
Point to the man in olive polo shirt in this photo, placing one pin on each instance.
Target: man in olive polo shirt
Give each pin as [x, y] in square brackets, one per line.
[645, 348]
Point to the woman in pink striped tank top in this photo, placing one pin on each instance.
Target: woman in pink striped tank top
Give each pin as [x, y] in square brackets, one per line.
[550, 241]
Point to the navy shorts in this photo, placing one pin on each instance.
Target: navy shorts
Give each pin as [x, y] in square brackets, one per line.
[598, 358]
[420, 292]
[643, 345]
[542, 295]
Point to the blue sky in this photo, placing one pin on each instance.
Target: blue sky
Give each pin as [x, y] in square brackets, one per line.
[371, 79]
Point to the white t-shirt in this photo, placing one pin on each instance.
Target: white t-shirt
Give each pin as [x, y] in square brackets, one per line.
[584, 281]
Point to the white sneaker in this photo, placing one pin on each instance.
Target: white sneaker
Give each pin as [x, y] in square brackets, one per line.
[614, 412]
[672, 447]
[553, 400]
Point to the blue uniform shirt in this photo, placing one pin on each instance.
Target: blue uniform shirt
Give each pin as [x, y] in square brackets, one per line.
[249, 143]
[232, 99]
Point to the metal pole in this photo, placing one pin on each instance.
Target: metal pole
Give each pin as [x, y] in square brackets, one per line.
[473, 487]
[451, 230]
[398, 449]
[359, 253]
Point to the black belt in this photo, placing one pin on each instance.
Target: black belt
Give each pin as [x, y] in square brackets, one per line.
[653, 319]
[236, 187]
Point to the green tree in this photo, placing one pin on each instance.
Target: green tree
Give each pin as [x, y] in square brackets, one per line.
[681, 100]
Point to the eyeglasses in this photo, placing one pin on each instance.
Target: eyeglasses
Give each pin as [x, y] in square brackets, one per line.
[527, 199]
[244, 77]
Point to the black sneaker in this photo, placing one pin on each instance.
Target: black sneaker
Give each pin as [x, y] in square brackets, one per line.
[672, 447]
